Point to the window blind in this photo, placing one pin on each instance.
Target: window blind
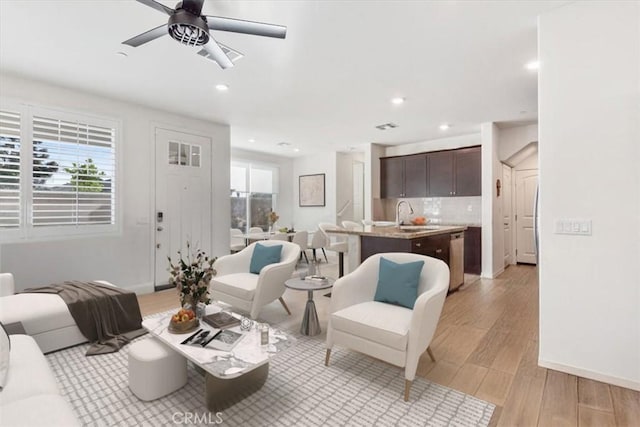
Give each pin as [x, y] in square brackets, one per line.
[10, 212]
[73, 173]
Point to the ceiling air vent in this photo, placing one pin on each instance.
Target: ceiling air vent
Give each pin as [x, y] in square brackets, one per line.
[233, 55]
[387, 126]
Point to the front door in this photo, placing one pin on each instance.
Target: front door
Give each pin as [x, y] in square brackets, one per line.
[526, 185]
[183, 197]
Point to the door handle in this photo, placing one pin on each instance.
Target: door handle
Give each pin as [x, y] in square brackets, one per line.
[438, 251]
[160, 228]
[418, 245]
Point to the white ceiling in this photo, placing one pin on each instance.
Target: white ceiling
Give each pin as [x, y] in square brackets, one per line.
[326, 86]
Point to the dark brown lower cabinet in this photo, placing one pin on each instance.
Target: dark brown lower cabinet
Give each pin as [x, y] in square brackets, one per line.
[433, 246]
[473, 250]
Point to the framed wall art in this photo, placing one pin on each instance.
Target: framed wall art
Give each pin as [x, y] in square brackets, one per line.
[311, 190]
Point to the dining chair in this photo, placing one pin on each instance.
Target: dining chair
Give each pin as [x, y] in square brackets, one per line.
[319, 241]
[301, 238]
[237, 241]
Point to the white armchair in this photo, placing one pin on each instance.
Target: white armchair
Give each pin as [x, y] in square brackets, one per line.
[235, 285]
[395, 334]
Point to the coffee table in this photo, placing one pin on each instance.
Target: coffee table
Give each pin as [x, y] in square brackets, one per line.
[229, 375]
[310, 324]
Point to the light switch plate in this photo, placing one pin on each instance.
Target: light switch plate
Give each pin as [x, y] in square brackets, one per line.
[577, 227]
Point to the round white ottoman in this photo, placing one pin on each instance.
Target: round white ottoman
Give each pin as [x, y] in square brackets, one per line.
[155, 370]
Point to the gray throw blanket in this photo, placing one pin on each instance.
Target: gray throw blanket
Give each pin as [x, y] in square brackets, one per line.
[107, 316]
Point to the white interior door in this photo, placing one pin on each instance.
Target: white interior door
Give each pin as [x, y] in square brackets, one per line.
[358, 191]
[183, 197]
[507, 214]
[526, 185]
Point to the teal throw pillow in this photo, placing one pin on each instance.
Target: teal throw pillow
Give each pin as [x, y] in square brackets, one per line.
[264, 255]
[398, 283]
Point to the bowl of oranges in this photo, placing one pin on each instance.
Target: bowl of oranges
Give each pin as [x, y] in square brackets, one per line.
[419, 220]
[183, 321]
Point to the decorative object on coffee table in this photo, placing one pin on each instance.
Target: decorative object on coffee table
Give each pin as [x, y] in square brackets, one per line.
[191, 277]
[183, 321]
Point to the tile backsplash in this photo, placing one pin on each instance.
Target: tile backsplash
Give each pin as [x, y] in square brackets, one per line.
[445, 210]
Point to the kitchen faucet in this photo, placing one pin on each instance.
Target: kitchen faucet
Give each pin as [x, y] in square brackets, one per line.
[400, 202]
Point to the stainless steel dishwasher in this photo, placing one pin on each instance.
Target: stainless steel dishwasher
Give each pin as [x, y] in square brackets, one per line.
[456, 261]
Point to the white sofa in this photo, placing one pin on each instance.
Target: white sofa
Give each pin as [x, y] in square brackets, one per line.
[45, 317]
[30, 396]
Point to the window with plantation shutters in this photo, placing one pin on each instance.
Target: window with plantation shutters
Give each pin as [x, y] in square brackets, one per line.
[57, 173]
[10, 179]
[73, 173]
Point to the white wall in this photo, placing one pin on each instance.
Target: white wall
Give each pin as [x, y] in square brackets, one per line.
[589, 93]
[285, 200]
[492, 225]
[514, 139]
[307, 218]
[373, 206]
[126, 259]
[344, 186]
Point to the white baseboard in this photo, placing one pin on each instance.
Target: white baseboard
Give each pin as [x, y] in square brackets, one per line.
[621, 382]
[141, 288]
[492, 276]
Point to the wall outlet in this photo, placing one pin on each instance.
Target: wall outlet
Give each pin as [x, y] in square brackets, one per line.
[578, 227]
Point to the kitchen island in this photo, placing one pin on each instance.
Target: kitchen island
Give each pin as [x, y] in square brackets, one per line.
[433, 240]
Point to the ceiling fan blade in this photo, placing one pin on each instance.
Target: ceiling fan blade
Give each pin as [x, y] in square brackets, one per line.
[193, 6]
[217, 54]
[231, 53]
[147, 36]
[157, 6]
[219, 23]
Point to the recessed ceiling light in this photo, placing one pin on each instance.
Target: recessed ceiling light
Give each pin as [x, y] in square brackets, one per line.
[397, 100]
[122, 54]
[445, 126]
[283, 144]
[532, 66]
[296, 150]
[251, 140]
[222, 87]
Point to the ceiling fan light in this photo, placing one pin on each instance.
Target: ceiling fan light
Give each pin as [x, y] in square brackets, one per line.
[188, 29]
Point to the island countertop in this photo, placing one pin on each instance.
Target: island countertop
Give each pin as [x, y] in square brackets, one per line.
[404, 232]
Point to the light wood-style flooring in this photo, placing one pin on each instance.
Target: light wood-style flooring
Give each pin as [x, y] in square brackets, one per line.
[486, 345]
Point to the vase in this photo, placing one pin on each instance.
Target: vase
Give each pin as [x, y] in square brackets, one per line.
[188, 303]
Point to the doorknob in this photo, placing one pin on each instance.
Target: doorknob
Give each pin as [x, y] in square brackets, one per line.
[160, 228]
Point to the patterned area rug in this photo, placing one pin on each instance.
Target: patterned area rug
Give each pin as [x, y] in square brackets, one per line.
[355, 390]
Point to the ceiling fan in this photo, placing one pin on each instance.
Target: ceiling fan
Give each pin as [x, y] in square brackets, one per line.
[189, 27]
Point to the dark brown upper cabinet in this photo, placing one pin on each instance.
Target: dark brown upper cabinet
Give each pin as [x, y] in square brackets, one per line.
[468, 172]
[440, 173]
[404, 176]
[446, 173]
[455, 172]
